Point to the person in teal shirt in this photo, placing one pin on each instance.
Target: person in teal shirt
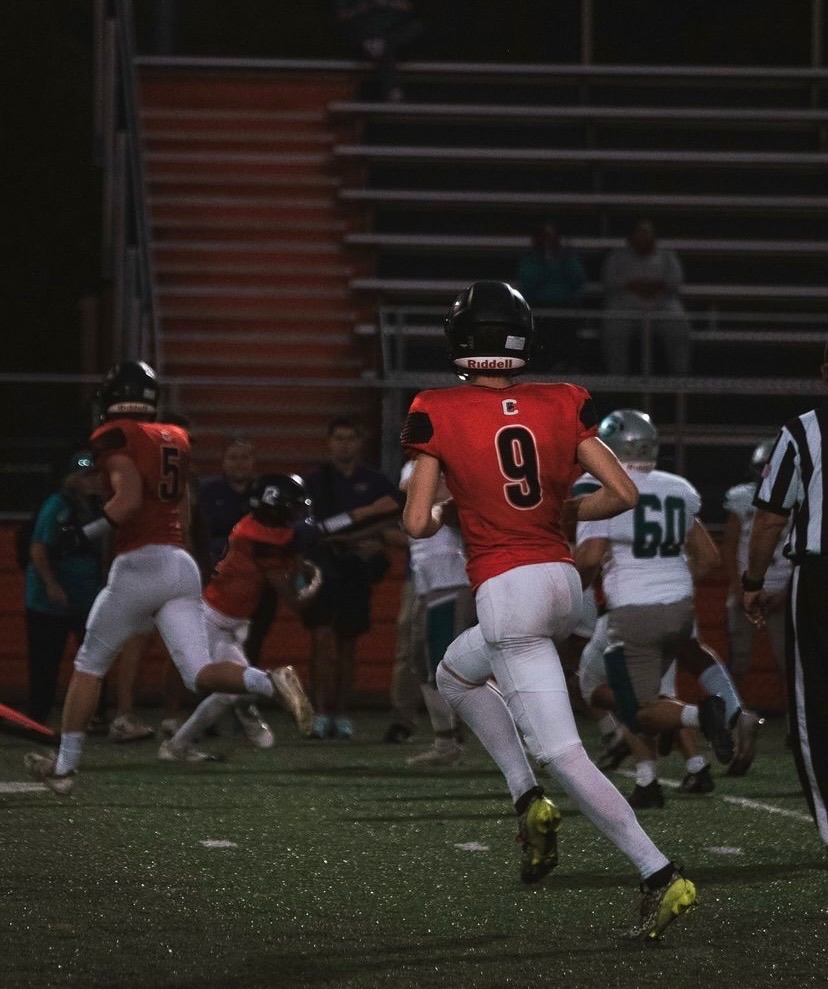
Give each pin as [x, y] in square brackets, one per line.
[551, 276]
[59, 586]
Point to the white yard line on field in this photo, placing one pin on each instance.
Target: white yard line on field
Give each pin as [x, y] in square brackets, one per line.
[22, 788]
[736, 801]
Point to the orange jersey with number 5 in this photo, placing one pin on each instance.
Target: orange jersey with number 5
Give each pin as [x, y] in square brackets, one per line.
[161, 454]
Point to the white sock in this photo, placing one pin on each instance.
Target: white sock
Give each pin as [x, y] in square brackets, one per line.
[445, 744]
[69, 753]
[716, 680]
[645, 772]
[258, 682]
[206, 714]
[696, 764]
[485, 712]
[690, 716]
[440, 714]
[599, 801]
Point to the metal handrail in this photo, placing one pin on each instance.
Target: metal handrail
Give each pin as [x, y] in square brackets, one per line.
[140, 200]
[702, 73]
[126, 223]
[394, 331]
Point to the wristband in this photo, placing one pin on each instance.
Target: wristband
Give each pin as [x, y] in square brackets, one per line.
[335, 523]
[98, 528]
[750, 585]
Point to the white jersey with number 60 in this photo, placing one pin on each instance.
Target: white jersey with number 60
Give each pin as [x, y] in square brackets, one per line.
[646, 563]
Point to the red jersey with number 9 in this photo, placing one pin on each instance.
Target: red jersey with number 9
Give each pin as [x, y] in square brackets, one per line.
[508, 455]
[161, 454]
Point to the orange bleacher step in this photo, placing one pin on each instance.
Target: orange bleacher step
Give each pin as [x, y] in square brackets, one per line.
[273, 353]
[269, 303]
[243, 401]
[232, 323]
[198, 122]
[220, 137]
[208, 254]
[307, 183]
[200, 211]
[278, 92]
[246, 166]
[249, 276]
[306, 235]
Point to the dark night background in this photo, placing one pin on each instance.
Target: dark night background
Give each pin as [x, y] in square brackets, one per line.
[51, 207]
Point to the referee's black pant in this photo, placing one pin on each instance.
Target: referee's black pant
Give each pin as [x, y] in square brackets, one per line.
[807, 674]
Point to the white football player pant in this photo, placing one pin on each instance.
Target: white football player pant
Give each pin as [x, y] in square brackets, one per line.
[519, 613]
[225, 636]
[154, 584]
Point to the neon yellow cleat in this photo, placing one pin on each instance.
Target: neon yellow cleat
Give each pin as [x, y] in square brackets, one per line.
[537, 832]
[660, 907]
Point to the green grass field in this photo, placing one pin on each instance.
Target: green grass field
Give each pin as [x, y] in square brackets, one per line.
[334, 864]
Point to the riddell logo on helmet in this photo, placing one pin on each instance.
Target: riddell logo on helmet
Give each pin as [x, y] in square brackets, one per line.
[490, 363]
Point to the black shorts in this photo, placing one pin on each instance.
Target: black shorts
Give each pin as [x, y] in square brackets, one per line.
[344, 599]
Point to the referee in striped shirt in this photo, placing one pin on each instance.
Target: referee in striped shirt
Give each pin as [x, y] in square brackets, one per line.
[794, 481]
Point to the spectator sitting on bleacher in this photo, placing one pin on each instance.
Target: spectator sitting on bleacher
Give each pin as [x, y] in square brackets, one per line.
[551, 276]
[644, 280]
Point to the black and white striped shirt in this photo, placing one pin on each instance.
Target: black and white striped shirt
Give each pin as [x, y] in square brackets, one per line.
[794, 479]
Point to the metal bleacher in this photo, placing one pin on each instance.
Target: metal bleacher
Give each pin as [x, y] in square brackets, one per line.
[729, 162]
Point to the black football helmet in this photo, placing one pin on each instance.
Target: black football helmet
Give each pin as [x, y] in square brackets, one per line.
[130, 390]
[632, 437]
[489, 330]
[279, 500]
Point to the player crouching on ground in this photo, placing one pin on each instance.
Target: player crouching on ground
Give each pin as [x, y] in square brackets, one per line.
[265, 546]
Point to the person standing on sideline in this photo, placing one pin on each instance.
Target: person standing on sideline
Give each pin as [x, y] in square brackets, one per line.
[153, 579]
[353, 504]
[443, 608]
[60, 587]
[794, 484]
[509, 452]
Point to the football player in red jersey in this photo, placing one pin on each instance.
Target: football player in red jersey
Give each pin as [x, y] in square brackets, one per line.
[153, 579]
[507, 451]
[264, 548]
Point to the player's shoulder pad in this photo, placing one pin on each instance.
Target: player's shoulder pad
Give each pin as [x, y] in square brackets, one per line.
[169, 431]
[587, 414]
[108, 438]
[417, 428]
